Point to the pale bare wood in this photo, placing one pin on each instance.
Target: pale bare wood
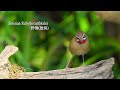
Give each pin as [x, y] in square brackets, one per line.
[4, 62]
[99, 70]
[6, 53]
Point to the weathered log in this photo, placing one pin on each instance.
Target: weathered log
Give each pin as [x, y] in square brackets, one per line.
[99, 70]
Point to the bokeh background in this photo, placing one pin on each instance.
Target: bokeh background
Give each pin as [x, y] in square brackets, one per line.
[48, 49]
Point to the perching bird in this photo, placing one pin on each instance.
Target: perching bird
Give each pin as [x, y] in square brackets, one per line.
[79, 45]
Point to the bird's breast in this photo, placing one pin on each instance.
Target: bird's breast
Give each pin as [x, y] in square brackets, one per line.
[79, 49]
[82, 42]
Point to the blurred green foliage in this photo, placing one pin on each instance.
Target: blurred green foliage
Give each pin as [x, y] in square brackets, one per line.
[47, 50]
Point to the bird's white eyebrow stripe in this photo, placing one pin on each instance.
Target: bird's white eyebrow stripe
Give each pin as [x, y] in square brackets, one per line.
[83, 35]
[77, 37]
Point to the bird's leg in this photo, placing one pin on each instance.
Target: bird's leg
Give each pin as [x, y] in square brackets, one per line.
[67, 66]
[68, 62]
[83, 60]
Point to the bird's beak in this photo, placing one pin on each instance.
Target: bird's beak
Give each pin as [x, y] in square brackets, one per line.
[78, 40]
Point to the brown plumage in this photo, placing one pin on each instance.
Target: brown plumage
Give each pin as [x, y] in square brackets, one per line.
[79, 45]
[77, 48]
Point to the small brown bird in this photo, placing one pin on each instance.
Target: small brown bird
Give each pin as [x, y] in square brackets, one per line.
[79, 45]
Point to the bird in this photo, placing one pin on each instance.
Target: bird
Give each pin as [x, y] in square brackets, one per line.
[79, 45]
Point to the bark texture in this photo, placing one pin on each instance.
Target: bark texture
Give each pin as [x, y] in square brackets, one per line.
[99, 70]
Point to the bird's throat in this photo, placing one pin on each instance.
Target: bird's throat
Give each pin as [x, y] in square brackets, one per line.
[82, 42]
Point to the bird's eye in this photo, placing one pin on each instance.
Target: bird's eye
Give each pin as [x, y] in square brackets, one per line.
[84, 37]
[77, 37]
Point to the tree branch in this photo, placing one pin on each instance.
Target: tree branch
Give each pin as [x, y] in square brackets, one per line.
[99, 70]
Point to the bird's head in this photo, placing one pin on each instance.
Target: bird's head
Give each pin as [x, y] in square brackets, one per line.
[81, 38]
